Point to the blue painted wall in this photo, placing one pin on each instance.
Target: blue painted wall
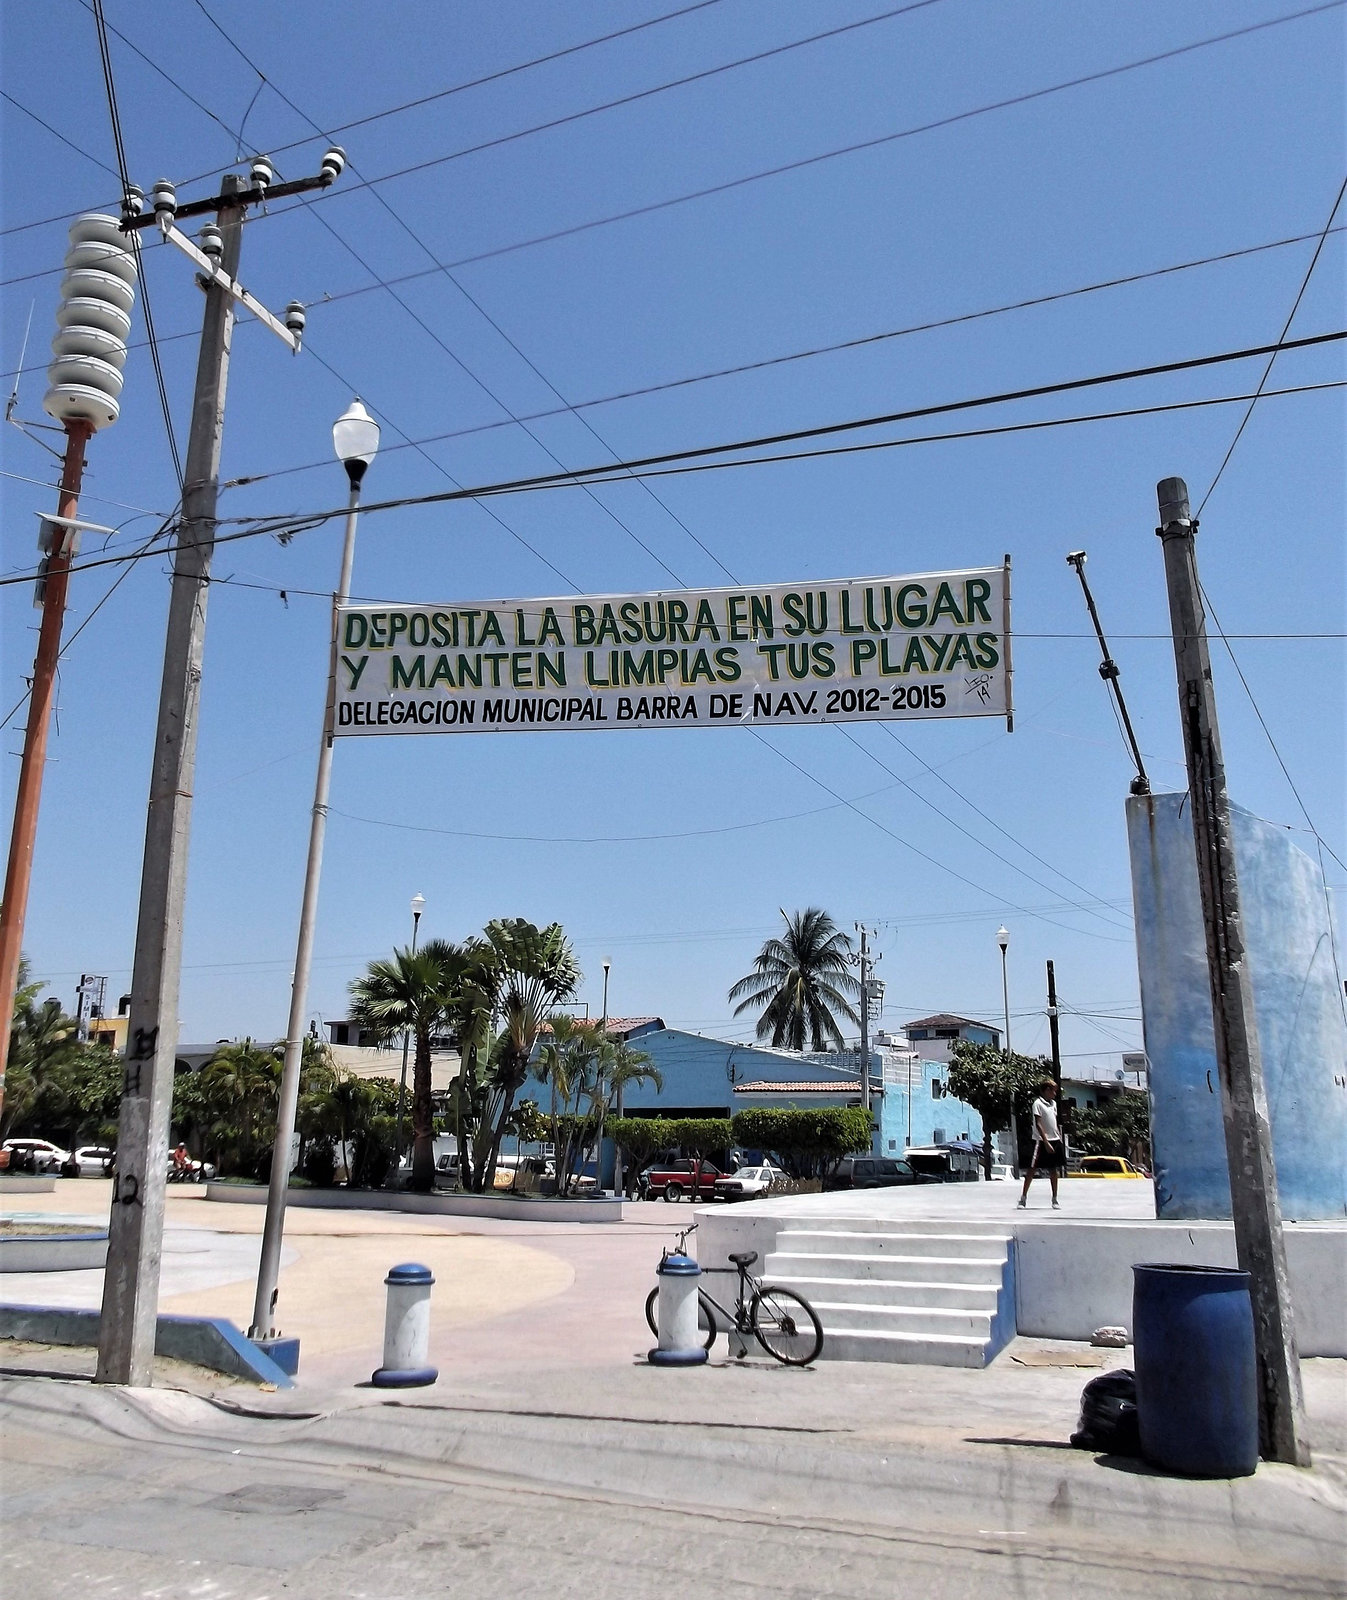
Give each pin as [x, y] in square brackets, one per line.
[1298, 1003]
[932, 1111]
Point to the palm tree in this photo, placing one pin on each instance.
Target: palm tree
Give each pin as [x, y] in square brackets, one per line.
[803, 983]
[527, 971]
[414, 991]
[239, 1086]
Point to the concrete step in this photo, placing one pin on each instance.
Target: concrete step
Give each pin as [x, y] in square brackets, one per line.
[893, 1242]
[839, 1318]
[904, 1224]
[887, 1269]
[888, 1291]
[929, 1349]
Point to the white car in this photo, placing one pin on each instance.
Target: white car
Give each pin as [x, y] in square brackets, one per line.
[46, 1156]
[95, 1160]
[1000, 1172]
[748, 1183]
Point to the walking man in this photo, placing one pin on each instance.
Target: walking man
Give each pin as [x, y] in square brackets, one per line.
[1049, 1150]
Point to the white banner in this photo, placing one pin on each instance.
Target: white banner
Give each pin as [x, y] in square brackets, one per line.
[855, 650]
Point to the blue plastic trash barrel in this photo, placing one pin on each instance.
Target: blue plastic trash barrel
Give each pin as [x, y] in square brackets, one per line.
[1197, 1376]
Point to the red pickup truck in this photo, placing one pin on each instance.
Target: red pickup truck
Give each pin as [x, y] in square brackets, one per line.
[678, 1180]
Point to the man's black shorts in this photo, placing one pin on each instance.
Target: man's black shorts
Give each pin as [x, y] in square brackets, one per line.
[1049, 1155]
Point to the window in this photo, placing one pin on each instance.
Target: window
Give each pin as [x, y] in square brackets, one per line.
[937, 1089]
[919, 1033]
[947, 1033]
[937, 1136]
[340, 1033]
[893, 1144]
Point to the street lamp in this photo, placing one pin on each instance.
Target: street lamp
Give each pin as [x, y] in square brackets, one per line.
[418, 906]
[355, 438]
[598, 1154]
[1003, 939]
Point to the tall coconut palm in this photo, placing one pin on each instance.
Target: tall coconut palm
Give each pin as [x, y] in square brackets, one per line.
[414, 991]
[803, 984]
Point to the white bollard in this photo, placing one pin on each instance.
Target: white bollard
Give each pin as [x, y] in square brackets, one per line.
[407, 1330]
[680, 1341]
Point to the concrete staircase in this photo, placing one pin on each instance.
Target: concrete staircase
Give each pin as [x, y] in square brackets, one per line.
[941, 1294]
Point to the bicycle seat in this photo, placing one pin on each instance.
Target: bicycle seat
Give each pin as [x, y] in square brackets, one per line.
[744, 1258]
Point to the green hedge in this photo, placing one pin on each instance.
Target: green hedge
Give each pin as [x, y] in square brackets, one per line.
[643, 1139]
[807, 1143]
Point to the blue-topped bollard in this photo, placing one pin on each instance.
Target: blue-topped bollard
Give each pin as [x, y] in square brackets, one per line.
[1197, 1384]
[407, 1330]
[680, 1343]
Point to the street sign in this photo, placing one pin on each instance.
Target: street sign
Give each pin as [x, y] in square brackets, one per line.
[854, 650]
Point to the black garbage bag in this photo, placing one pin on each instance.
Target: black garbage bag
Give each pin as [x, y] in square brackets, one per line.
[1108, 1415]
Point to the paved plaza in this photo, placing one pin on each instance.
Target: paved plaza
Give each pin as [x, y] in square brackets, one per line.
[551, 1455]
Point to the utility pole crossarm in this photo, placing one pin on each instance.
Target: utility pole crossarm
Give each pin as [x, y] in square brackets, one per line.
[216, 274]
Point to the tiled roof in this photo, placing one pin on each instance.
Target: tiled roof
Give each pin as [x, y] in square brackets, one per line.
[618, 1025]
[802, 1086]
[944, 1019]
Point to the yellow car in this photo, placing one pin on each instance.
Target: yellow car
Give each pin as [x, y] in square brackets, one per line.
[1106, 1167]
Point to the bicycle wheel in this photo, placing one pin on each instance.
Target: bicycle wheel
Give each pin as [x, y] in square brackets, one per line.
[785, 1325]
[706, 1319]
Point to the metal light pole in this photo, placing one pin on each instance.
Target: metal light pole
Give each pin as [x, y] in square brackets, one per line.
[603, 1104]
[418, 906]
[356, 440]
[1003, 939]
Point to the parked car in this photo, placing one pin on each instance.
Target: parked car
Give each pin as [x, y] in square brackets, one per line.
[950, 1163]
[874, 1172]
[747, 1183]
[95, 1160]
[678, 1180]
[1105, 1167]
[1000, 1172]
[36, 1155]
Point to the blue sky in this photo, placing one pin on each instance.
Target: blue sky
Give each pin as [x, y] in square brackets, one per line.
[671, 851]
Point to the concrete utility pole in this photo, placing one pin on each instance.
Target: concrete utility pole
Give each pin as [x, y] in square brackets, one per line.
[1254, 1201]
[131, 1281]
[135, 1229]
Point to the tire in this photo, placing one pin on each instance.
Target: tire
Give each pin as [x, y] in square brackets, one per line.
[785, 1325]
[706, 1320]
[673, 1191]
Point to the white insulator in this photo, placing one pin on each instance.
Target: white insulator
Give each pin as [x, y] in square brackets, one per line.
[84, 312]
[103, 258]
[82, 340]
[96, 285]
[96, 226]
[93, 322]
[86, 372]
[69, 402]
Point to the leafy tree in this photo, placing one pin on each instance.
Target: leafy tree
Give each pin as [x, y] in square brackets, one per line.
[236, 1097]
[1120, 1126]
[803, 984]
[998, 1084]
[414, 991]
[807, 1142]
[640, 1139]
[42, 1038]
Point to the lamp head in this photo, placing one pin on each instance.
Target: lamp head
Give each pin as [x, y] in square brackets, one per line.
[355, 438]
[418, 904]
[1003, 936]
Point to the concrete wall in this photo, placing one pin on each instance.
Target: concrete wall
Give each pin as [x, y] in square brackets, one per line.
[949, 1117]
[1071, 1280]
[1297, 998]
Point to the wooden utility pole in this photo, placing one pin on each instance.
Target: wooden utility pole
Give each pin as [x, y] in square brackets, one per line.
[1054, 1032]
[1254, 1203]
[23, 835]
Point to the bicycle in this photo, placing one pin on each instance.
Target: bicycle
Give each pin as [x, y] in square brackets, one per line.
[783, 1322]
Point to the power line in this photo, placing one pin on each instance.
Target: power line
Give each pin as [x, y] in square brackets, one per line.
[769, 172]
[864, 144]
[858, 342]
[56, 134]
[481, 310]
[288, 526]
[120, 148]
